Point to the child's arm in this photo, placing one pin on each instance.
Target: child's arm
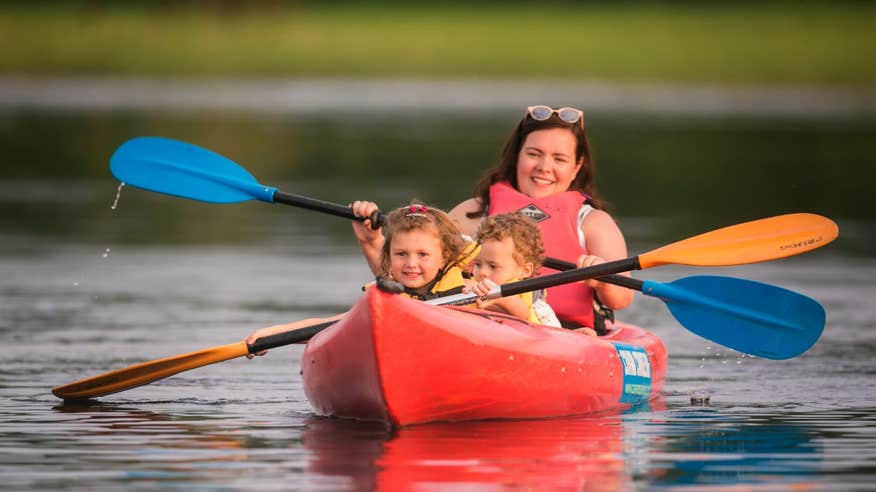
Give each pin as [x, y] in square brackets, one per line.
[370, 240]
[513, 305]
[273, 330]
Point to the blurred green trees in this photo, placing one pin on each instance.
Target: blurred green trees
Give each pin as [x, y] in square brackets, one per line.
[810, 43]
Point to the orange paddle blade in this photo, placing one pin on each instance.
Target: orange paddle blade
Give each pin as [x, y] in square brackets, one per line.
[749, 242]
[147, 372]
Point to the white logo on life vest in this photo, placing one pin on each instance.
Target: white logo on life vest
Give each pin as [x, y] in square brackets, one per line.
[534, 213]
[635, 363]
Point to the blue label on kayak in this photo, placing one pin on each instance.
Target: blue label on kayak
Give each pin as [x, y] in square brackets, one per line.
[637, 373]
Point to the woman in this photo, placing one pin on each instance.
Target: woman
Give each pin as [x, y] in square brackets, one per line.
[545, 171]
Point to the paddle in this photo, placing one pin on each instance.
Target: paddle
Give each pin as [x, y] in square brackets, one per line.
[711, 305]
[749, 242]
[751, 317]
[150, 371]
[185, 170]
[182, 169]
[188, 171]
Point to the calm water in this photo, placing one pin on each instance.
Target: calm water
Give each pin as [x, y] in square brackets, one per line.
[85, 289]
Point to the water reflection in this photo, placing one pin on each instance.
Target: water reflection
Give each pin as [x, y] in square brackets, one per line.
[557, 454]
[680, 448]
[708, 448]
[96, 421]
[610, 452]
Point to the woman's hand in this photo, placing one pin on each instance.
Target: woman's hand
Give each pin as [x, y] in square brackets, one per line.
[613, 296]
[590, 260]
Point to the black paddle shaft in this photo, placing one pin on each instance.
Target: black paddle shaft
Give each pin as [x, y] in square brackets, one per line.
[377, 218]
[305, 334]
[566, 277]
[288, 337]
[628, 282]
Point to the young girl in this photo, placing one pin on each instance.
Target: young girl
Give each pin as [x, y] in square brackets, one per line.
[422, 249]
[511, 250]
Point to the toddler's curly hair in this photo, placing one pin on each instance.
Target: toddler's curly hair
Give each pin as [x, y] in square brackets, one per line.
[528, 246]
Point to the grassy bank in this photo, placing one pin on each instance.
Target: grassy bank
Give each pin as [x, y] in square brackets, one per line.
[749, 44]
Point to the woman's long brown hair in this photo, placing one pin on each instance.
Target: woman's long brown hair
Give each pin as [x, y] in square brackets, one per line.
[506, 167]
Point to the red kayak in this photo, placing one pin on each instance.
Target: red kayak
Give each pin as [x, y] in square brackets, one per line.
[405, 362]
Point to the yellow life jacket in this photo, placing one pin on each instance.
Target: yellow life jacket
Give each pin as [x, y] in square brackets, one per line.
[527, 298]
[450, 280]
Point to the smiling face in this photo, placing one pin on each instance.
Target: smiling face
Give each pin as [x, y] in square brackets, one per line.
[496, 262]
[416, 257]
[546, 163]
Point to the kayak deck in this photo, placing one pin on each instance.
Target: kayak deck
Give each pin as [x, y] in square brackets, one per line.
[404, 362]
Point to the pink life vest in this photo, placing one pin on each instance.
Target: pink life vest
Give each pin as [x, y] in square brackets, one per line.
[557, 217]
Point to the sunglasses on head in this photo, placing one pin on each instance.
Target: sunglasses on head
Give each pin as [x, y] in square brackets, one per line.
[569, 115]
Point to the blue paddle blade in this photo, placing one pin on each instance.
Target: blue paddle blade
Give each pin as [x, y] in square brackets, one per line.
[751, 317]
[185, 170]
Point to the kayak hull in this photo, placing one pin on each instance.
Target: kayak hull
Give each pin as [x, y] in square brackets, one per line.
[405, 362]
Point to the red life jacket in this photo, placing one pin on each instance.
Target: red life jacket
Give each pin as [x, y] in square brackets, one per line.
[557, 217]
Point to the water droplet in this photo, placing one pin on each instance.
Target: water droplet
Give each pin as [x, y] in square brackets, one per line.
[118, 194]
